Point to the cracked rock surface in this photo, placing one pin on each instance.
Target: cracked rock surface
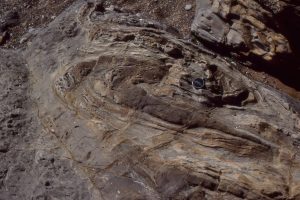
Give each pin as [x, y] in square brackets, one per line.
[251, 28]
[106, 104]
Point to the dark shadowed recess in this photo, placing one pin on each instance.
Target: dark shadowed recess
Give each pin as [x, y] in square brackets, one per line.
[288, 69]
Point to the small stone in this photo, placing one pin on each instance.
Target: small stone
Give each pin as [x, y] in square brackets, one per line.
[188, 7]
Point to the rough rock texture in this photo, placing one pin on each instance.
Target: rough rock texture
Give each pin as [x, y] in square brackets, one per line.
[101, 105]
[263, 34]
[33, 165]
[248, 27]
[18, 18]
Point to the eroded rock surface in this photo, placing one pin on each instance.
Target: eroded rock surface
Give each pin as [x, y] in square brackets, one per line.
[251, 28]
[115, 113]
[32, 164]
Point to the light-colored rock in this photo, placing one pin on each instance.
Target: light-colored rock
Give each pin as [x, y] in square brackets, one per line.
[188, 7]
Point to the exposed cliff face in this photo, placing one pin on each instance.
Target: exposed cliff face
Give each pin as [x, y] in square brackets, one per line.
[115, 106]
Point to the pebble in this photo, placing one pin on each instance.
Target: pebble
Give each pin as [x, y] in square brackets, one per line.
[188, 7]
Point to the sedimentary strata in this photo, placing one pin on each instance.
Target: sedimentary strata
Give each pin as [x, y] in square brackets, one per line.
[120, 108]
[255, 29]
[119, 96]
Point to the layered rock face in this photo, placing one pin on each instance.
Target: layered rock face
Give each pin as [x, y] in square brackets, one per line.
[120, 108]
[249, 28]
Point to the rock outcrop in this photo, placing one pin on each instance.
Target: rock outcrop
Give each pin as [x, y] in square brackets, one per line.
[120, 108]
[249, 28]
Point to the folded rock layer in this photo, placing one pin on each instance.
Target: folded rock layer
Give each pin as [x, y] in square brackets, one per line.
[121, 108]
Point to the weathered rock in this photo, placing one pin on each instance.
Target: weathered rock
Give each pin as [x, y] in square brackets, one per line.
[249, 28]
[120, 101]
[108, 108]
[32, 166]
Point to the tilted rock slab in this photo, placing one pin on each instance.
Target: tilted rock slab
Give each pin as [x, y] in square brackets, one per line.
[247, 27]
[113, 98]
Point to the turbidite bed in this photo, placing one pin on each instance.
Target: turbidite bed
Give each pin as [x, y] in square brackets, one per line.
[107, 104]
